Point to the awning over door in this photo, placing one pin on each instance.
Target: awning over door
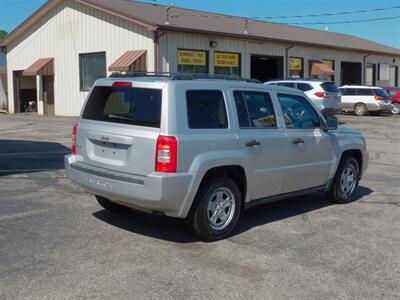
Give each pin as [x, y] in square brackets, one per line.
[130, 61]
[43, 66]
[321, 69]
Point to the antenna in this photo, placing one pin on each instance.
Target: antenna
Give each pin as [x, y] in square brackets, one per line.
[167, 22]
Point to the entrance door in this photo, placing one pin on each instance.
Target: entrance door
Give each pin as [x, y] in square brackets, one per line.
[265, 68]
[16, 85]
[48, 90]
[351, 73]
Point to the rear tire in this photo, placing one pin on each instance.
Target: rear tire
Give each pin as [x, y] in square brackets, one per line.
[396, 109]
[109, 205]
[345, 182]
[216, 209]
[360, 109]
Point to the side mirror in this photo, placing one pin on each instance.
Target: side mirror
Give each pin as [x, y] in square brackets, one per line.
[331, 123]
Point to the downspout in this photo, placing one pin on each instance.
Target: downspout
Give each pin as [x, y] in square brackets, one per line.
[365, 68]
[286, 75]
[156, 41]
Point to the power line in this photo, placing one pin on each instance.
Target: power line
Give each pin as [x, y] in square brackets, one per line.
[330, 14]
[341, 22]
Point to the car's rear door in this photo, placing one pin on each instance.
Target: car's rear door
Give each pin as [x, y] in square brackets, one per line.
[261, 141]
[119, 127]
[309, 148]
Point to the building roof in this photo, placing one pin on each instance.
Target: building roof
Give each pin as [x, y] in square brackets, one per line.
[188, 20]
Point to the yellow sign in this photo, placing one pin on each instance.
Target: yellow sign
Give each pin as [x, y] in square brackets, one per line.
[193, 58]
[329, 63]
[223, 59]
[295, 64]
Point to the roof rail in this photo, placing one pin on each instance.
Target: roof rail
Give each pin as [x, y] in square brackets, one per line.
[182, 76]
[305, 78]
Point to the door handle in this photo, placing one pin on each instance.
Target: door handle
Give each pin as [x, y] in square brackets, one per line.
[298, 141]
[253, 143]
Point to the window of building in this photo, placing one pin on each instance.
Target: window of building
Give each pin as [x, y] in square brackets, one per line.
[393, 76]
[370, 74]
[330, 64]
[254, 109]
[298, 112]
[192, 61]
[226, 63]
[296, 67]
[206, 109]
[92, 66]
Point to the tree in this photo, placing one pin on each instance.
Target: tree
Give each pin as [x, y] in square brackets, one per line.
[3, 34]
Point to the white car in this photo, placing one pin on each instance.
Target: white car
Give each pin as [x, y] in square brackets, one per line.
[324, 93]
[365, 100]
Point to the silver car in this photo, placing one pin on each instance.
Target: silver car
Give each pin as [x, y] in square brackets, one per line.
[205, 149]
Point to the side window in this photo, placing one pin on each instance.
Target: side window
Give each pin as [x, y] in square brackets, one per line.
[254, 109]
[349, 92]
[298, 112]
[365, 92]
[287, 84]
[206, 109]
[304, 87]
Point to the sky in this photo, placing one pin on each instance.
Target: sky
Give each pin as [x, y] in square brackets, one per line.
[13, 12]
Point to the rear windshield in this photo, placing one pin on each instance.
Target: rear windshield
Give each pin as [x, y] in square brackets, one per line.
[330, 87]
[380, 92]
[134, 106]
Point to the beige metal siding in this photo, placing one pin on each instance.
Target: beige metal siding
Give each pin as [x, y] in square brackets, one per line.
[69, 29]
[171, 41]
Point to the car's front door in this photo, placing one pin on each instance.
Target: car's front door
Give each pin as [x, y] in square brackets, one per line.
[262, 142]
[309, 147]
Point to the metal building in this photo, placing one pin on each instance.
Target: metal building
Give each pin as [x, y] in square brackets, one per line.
[54, 57]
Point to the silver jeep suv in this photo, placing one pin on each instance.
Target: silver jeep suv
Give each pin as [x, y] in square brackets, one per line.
[205, 149]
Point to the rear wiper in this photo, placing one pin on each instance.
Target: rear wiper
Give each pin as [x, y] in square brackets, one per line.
[120, 117]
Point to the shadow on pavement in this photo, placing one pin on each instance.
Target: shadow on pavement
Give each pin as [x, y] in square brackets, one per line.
[175, 230]
[17, 157]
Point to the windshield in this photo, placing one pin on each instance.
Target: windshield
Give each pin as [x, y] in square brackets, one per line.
[134, 106]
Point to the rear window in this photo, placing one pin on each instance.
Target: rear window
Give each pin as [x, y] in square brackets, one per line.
[206, 109]
[330, 87]
[134, 106]
[380, 92]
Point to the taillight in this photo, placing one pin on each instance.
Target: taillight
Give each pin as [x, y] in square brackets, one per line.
[322, 95]
[122, 84]
[166, 154]
[74, 130]
[378, 98]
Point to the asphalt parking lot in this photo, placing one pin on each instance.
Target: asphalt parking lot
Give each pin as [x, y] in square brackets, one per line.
[57, 242]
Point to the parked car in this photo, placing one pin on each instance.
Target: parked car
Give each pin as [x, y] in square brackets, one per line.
[324, 93]
[365, 100]
[204, 149]
[394, 94]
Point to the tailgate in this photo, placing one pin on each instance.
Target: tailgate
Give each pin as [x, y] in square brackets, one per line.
[119, 129]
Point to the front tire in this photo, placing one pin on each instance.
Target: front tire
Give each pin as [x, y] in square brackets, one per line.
[109, 205]
[346, 181]
[360, 109]
[216, 209]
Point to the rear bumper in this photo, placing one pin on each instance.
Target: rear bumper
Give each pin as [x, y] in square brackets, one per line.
[158, 192]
